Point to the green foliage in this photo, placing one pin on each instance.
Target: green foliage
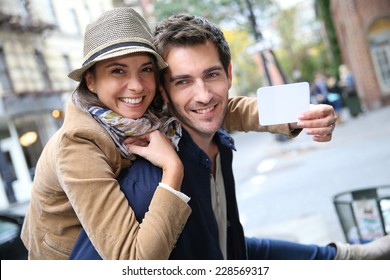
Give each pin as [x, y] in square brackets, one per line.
[205, 8]
[307, 59]
[246, 76]
[324, 12]
[221, 12]
[233, 15]
[293, 53]
[296, 54]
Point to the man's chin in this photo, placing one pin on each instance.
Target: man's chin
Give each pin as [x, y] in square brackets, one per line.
[208, 129]
[201, 128]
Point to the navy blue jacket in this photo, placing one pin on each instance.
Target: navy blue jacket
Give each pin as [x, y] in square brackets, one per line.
[199, 239]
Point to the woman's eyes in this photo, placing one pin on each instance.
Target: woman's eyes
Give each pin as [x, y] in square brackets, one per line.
[122, 71]
[117, 71]
[147, 69]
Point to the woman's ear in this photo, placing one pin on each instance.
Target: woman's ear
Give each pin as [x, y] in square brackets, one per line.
[90, 81]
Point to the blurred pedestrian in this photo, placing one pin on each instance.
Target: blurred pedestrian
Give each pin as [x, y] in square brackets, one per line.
[319, 90]
[349, 91]
[320, 93]
[334, 96]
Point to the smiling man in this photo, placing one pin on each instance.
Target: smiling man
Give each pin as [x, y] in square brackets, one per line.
[195, 88]
[196, 85]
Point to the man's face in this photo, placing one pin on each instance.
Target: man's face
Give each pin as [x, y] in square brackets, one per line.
[197, 88]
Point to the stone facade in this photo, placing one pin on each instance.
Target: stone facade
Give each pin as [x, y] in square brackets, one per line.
[41, 41]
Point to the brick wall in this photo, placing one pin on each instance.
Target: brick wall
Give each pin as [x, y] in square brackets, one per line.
[352, 20]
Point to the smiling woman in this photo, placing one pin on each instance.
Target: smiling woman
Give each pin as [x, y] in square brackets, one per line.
[125, 84]
[75, 185]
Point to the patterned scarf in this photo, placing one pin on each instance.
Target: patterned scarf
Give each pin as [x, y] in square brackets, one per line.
[120, 127]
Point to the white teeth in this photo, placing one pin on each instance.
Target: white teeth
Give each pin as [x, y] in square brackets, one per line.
[132, 100]
[204, 111]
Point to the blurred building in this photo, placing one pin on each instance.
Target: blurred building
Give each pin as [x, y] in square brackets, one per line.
[363, 32]
[40, 42]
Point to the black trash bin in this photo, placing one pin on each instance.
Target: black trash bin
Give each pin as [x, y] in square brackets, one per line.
[364, 214]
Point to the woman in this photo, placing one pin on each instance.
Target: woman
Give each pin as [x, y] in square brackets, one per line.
[75, 183]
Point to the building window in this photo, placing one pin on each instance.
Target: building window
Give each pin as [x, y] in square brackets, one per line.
[32, 151]
[5, 79]
[38, 128]
[382, 58]
[8, 174]
[48, 7]
[73, 23]
[43, 69]
[380, 51]
[87, 14]
[23, 9]
[68, 67]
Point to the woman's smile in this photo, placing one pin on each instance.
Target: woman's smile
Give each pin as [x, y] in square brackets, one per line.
[133, 101]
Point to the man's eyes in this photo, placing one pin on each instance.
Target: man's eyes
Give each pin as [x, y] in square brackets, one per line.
[213, 74]
[181, 82]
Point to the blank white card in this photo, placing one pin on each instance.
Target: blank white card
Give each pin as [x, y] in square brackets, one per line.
[282, 104]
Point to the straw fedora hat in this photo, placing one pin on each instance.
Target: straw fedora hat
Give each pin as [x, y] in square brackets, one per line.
[116, 32]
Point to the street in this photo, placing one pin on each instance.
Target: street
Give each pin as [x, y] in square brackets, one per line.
[285, 189]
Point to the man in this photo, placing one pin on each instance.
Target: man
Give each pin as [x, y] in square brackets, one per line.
[195, 87]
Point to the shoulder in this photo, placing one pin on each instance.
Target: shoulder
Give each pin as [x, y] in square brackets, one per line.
[224, 138]
[82, 138]
[139, 180]
[79, 125]
[141, 169]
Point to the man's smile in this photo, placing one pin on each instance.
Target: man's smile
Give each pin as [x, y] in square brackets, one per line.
[205, 110]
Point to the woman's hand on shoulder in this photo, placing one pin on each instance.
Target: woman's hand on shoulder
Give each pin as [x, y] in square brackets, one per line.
[158, 149]
[153, 146]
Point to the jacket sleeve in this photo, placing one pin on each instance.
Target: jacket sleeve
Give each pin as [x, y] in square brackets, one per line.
[242, 115]
[88, 165]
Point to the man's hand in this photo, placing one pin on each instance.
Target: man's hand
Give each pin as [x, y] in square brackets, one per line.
[319, 121]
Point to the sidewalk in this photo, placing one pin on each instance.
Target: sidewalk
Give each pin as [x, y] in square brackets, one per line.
[287, 191]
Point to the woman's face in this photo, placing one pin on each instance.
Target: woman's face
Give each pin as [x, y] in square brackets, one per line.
[124, 84]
